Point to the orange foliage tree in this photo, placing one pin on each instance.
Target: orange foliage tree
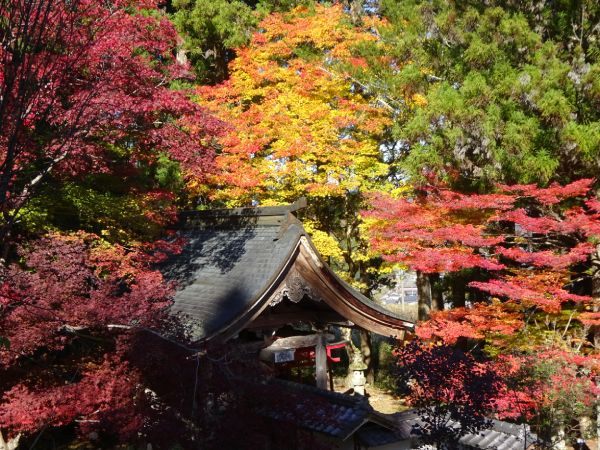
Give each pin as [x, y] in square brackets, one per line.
[299, 127]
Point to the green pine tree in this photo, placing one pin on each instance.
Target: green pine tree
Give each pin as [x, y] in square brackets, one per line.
[485, 92]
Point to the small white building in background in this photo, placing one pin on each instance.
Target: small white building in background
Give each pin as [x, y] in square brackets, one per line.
[403, 289]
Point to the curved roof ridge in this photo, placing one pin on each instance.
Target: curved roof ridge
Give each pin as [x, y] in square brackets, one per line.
[359, 295]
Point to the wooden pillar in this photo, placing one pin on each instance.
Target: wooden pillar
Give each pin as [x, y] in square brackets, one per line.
[330, 372]
[321, 361]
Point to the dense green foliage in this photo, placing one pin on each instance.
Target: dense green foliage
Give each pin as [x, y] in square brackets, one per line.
[497, 91]
[213, 29]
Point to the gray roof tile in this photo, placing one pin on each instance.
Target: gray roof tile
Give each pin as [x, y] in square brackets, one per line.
[230, 260]
[332, 413]
[500, 436]
[374, 435]
[225, 266]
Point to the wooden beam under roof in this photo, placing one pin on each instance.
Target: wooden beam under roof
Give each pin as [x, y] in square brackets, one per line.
[278, 320]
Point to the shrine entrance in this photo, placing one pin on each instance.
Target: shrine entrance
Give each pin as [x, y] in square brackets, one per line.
[288, 355]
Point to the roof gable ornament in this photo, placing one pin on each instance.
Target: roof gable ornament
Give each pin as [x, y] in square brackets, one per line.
[294, 287]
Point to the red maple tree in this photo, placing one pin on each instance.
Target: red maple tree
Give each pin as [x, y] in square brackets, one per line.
[521, 258]
[448, 387]
[82, 82]
[62, 362]
[87, 87]
[523, 240]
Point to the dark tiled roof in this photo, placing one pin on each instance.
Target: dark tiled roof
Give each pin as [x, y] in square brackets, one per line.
[374, 435]
[331, 413]
[231, 261]
[228, 262]
[500, 436]
[341, 416]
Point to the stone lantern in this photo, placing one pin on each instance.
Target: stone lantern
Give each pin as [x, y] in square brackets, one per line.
[358, 368]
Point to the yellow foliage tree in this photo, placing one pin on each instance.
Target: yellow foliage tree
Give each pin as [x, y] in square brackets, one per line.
[300, 127]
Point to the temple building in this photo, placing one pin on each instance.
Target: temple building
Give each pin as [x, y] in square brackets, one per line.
[247, 273]
[250, 278]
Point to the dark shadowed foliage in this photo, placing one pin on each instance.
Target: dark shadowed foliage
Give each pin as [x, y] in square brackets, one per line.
[451, 390]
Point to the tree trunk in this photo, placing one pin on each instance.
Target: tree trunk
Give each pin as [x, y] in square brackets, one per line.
[459, 292]
[221, 63]
[436, 292]
[424, 294]
[430, 299]
[366, 349]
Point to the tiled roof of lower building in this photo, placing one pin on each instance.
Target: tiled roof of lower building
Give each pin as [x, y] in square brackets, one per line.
[331, 413]
[499, 436]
